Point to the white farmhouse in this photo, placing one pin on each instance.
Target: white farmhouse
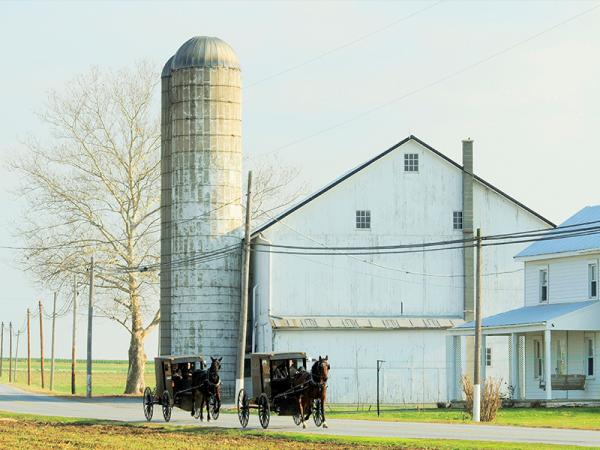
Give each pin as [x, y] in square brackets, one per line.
[556, 333]
[397, 308]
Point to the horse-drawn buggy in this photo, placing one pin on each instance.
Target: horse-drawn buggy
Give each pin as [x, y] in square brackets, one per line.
[184, 382]
[281, 383]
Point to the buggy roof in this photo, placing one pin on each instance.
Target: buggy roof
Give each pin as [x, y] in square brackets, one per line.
[179, 358]
[280, 356]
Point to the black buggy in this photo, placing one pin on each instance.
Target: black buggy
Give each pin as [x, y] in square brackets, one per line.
[174, 387]
[273, 388]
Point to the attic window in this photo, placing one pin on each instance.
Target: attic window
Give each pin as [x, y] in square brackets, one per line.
[411, 162]
[363, 219]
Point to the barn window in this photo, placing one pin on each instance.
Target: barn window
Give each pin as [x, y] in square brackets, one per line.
[363, 219]
[488, 356]
[543, 285]
[411, 162]
[593, 280]
[589, 356]
[538, 359]
[457, 220]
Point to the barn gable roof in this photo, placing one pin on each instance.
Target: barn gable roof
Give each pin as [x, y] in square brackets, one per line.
[357, 169]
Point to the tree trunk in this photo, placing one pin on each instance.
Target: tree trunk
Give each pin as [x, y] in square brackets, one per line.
[137, 362]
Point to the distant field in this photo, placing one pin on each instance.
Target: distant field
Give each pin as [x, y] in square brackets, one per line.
[108, 377]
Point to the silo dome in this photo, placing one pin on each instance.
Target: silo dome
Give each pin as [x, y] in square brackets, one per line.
[166, 72]
[205, 51]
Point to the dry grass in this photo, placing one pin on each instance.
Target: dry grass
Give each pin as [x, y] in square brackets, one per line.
[491, 400]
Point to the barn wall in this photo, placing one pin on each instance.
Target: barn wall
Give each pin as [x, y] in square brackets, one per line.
[414, 370]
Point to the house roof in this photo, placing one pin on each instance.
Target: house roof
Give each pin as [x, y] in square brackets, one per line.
[556, 316]
[582, 243]
[357, 169]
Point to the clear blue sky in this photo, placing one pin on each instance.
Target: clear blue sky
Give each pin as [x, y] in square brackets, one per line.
[533, 111]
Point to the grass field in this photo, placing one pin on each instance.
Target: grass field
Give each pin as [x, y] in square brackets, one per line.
[108, 377]
[27, 431]
[578, 418]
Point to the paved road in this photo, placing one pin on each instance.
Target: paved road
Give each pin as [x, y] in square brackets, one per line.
[130, 410]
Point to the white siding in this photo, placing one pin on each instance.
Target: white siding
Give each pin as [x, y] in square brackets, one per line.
[567, 279]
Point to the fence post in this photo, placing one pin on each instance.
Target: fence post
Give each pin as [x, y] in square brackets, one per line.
[73, 340]
[10, 352]
[52, 350]
[28, 347]
[379, 364]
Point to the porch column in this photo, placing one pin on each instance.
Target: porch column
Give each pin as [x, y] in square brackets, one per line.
[548, 363]
[514, 365]
[457, 391]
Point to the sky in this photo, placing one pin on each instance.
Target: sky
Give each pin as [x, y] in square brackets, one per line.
[328, 85]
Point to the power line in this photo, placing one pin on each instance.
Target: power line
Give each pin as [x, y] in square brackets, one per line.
[434, 83]
[343, 46]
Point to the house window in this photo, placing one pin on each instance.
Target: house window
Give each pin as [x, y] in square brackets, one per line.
[589, 356]
[488, 357]
[561, 357]
[363, 219]
[457, 220]
[411, 162]
[538, 359]
[592, 280]
[544, 285]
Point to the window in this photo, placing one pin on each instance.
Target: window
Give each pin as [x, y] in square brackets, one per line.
[593, 280]
[589, 356]
[561, 357]
[457, 220]
[411, 162]
[544, 285]
[488, 356]
[363, 219]
[538, 359]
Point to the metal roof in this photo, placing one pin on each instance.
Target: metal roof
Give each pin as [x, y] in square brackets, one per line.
[381, 155]
[569, 244]
[204, 51]
[166, 72]
[531, 315]
[274, 356]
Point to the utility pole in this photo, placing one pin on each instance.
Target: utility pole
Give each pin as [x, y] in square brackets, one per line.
[42, 340]
[241, 356]
[89, 330]
[379, 364]
[73, 339]
[477, 353]
[16, 356]
[1, 347]
[10, 352]
[28, 347]
[52, 350]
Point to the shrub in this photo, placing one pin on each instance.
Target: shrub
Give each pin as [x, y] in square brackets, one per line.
[491, 399]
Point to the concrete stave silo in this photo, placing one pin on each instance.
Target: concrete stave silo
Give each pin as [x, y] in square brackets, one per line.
[201, 202]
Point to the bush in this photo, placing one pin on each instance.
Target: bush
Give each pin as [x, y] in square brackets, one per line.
[491, 400]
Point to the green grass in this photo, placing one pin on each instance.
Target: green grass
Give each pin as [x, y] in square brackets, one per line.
[108, 377]
[37, 432]
[578, 418]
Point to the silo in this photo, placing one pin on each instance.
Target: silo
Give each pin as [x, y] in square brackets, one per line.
[201, 203]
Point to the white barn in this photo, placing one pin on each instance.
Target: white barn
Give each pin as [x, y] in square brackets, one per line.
[392, 307]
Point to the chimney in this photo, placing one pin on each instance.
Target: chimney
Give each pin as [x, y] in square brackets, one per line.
[467, 214]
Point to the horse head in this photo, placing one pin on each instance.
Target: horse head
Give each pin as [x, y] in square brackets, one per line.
[320, 369]
[215, 367]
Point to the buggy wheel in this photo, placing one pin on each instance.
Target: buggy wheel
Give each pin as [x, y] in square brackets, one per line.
[214, 406]
[197, 409]
[264, 411]
[297, 418]
[318, 412]
[243, 408]
[166, 406]
[148, 400]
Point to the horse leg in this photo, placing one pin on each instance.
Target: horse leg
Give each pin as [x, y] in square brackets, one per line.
[207, 406]
[301, 410]
[323, 397]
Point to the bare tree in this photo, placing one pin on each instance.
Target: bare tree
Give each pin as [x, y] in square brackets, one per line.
[93, 187]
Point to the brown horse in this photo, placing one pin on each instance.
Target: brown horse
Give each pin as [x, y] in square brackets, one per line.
[206, 384]
[316, 389]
